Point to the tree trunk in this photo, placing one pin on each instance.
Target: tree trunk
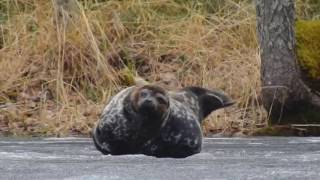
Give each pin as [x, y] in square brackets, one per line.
[284, 94]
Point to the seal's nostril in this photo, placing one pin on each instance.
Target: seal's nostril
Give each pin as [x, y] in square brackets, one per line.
[148, 104]
[148, 101]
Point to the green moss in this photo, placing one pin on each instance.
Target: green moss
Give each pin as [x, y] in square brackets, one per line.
[127, 77]
[308, 47]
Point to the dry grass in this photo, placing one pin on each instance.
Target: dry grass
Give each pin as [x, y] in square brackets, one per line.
[59, 66]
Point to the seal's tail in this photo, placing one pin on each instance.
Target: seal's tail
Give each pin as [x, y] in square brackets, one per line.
[210, 100]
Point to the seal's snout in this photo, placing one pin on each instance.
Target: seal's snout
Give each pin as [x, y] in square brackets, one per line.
[148, 102]
[148, 105]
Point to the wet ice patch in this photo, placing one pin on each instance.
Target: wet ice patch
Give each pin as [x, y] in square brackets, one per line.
[42, 156]
[67, 139]
[314, 140]
[93, 177]
[305, 140]
[26, 155]
[256, 143]
[272, 154]
[308, 157]
[48, 141]
[202, 155]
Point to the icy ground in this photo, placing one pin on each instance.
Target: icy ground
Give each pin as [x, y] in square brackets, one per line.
[221, 158]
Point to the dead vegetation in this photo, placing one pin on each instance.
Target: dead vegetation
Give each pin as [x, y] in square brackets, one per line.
[60, 61]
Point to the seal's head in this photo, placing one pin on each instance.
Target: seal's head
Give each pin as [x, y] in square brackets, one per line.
[150, 101]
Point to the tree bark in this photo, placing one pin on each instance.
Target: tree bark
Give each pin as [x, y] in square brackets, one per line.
[284, 94]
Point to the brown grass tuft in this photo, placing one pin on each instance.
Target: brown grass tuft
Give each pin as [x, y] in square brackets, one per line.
[61, 62]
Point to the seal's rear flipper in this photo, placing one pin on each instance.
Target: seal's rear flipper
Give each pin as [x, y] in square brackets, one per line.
[222, 99]
[210, 100]
[213, 100]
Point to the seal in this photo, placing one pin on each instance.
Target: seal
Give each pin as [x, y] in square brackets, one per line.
[149, 120]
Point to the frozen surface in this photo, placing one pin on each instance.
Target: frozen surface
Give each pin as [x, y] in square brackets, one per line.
[221, 158]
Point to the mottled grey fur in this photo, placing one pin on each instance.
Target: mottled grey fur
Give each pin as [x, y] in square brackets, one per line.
[121, 131]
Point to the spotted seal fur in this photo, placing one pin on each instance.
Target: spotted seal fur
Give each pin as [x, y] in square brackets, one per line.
[149, 120]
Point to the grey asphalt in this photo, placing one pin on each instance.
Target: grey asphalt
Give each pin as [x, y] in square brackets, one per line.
[221, 158]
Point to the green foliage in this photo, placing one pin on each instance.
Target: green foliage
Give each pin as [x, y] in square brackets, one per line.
[9, 8]
[92, 93]
[308, 46]
[127, 77]
[3, 12]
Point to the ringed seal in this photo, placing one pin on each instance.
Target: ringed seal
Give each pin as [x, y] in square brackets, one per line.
[149, 120]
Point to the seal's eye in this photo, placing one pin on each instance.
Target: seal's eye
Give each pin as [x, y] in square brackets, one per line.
[161, 99]
[143, 93]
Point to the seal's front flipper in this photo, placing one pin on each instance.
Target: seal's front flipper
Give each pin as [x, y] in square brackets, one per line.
[101, 147]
